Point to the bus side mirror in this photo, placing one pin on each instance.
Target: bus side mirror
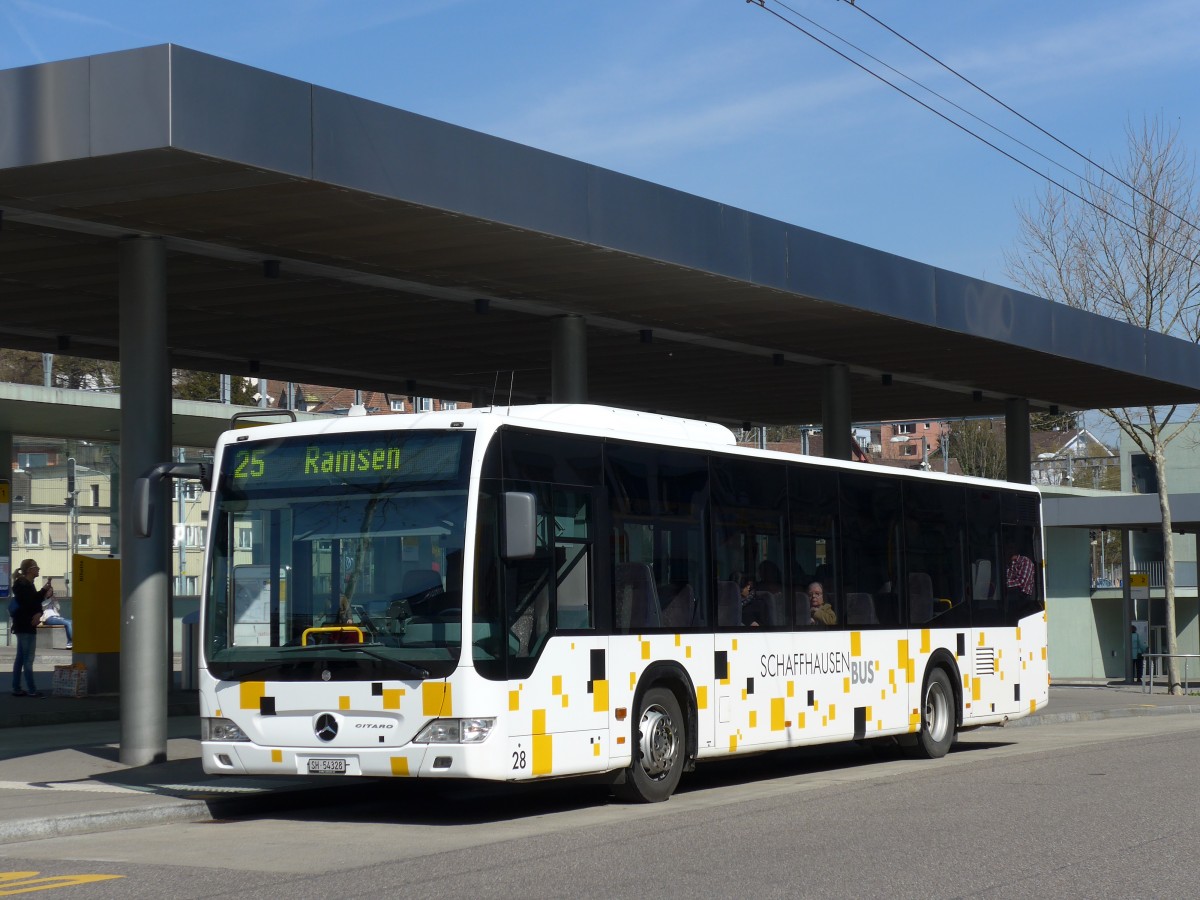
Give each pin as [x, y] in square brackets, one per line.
[143, 506]
[520, 525]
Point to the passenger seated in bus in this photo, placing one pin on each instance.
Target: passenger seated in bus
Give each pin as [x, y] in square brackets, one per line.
[748, 597]
[769, 578]
[819, 610]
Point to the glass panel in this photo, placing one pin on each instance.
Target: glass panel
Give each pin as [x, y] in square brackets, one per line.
[342, 548]
[983, 554]
[934, 530]
[658, 537]
[750, 511]
[813, 512]
[870, 511]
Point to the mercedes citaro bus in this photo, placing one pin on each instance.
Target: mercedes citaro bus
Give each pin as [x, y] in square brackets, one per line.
[562, 590]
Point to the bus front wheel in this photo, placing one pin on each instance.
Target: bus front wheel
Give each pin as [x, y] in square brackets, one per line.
[937, 716]
[658, 750]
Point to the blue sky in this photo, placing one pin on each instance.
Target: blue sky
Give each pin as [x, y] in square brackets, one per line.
[717, 97]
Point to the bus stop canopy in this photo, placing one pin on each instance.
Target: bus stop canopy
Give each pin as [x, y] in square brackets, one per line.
[319, 237]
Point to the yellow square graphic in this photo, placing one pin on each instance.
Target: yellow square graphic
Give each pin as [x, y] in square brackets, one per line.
[600, 696]
[777, 714]
[543, 754]
[645, 649]
[791, 689]
[276, 756]
[925, 640]
[846, 685]
[436, 699]
[832, 711]
[391, 697]
[702, 697]
[856, 643]
[344, 702]
[252, 693]
[556, 685]
[539, 721]
[400, 766]
[901, 654]
[753, 718]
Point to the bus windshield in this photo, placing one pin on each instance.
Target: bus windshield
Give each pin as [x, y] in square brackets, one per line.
[338, 556]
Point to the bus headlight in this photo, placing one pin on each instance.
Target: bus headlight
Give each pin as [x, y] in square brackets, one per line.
[221, 730]
[455, 731]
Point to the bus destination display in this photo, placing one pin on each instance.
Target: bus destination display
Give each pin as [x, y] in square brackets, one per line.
[343, 459]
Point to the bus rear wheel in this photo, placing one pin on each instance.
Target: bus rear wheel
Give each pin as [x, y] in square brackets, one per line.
[659, 746]
[937, 717]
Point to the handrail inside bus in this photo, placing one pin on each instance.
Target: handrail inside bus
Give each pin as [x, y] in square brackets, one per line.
[330, 628]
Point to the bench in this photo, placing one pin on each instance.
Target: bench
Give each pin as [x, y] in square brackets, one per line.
[56, 633]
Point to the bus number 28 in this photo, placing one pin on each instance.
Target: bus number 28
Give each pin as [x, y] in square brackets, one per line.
[518, 759]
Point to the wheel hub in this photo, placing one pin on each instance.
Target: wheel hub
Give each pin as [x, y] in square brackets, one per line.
[659, 743]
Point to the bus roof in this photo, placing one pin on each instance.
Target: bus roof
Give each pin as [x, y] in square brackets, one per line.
[584, 418]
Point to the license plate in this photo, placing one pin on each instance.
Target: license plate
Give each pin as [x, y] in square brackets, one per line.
[326, 767]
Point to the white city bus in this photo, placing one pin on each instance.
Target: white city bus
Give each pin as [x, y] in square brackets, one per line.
[556, 590]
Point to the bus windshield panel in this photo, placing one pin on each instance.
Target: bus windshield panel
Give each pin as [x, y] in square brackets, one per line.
[338, 551]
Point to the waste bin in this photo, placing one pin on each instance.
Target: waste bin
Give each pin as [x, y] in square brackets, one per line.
[189, 676]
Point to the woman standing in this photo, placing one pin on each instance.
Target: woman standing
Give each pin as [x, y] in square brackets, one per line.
[25, 619]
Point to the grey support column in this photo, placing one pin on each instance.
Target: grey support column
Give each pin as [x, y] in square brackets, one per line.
[145, 442]
[835, 411]
[1016, 440]
[568, 360]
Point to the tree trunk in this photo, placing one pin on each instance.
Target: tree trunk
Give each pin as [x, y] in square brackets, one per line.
[1160, 470]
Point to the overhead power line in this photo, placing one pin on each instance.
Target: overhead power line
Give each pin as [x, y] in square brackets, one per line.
[1021, 116]
[763, 4]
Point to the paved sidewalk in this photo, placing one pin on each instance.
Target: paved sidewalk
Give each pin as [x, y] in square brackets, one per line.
[60, 774]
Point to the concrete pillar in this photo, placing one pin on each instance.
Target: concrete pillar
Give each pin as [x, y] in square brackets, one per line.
[1130, 606]
[1016, 440]
[835, 411]
[568, 360]
[6, 454]
[145, 442]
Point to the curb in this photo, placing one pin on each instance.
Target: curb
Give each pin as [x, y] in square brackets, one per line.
[88, 823]
[177, 811]
[1100, 714]
[34, 717]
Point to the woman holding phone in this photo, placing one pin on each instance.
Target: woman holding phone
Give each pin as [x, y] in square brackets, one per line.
[26, 614]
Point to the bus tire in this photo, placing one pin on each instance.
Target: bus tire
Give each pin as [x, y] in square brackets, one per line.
[659, 749]
[937, 717]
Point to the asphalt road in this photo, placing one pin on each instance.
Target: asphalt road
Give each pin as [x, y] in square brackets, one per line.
[1096, 809]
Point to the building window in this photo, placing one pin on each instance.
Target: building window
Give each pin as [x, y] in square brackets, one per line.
[449, 404]
[58, 535]
[245, 538]
[33, 460]
[906, 428]
[83, 535]
[102, 536]
[423, 404]
[908, 449]
[33, 535]
[95, 494]
[396, 405]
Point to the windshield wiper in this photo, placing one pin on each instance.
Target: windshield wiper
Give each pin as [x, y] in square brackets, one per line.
[417, 671]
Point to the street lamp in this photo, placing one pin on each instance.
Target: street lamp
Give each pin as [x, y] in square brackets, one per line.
[905, 438]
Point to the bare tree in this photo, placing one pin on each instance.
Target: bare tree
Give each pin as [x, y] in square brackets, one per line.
[978, 445]
[1129, 252]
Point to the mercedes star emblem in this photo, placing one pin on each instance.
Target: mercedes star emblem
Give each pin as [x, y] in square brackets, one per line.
[326, 727]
